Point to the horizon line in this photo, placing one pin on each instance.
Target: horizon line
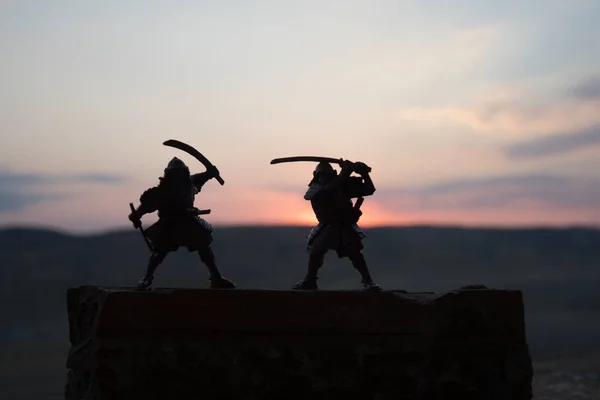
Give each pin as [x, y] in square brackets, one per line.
[116, 229]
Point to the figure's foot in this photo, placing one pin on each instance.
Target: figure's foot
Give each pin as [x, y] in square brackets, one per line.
[144, 284]
[221, 283]
[370, 286]
[306, 284]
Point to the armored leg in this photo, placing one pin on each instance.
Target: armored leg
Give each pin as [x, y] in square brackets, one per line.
[217, 281]
[156, 259]
[360, 264]
[315, 262]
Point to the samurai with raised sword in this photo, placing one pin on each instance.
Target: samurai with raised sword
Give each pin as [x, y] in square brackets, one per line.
[330, 195]
[179, 224]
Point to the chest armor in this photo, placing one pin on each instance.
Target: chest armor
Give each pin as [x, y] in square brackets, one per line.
[330, 208]
[177, 199]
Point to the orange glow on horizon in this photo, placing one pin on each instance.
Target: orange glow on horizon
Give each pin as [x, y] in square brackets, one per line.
[305, 218]
[234, 207]
[294, 211]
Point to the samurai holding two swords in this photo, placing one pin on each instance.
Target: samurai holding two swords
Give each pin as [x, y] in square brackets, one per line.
[179, 224]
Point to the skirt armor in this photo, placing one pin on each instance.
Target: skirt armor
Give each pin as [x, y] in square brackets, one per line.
[168, 234]
[344, 238]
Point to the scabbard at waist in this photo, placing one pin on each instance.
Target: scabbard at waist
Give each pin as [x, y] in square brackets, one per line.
[185, 213]
[338, 222]
[345, 219]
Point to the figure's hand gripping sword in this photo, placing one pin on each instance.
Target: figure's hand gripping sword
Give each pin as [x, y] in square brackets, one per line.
[337, 161]
[142, 230]
[195, 153]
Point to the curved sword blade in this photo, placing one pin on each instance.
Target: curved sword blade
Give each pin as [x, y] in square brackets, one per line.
[306, 158]
[309, 158]
[193, 152]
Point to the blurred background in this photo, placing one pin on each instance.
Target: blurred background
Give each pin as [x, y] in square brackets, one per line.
[480, 120]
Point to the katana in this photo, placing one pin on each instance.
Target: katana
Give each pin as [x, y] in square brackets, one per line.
[337, 161]
[193, 152]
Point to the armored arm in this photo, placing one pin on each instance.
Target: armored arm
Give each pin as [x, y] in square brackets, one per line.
[149, 202]
[367, 187]
[341, 179]
[358, 187]
[198, 180]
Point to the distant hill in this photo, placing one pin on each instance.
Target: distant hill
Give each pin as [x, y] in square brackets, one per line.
[558, 270]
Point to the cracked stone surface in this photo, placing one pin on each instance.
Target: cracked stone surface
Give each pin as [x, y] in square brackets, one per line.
[261, 344]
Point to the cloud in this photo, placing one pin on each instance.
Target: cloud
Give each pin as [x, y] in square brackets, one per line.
[555, 144]
[533, 191]
[514, 110]
[519, 192]
[588, 89]
[13, 200]
[27, 179]
[19, 190]
[95, 178]
[19, 180]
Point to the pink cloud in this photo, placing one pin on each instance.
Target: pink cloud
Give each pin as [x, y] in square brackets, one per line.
[502, 201]
[512, 111]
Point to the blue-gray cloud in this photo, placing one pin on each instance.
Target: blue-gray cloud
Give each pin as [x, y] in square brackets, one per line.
[555, 144]
[21, 179]
[551, 191]
[557, 192]
[588, 89]
[95, 178]
[13, 200]
[8, 179]
[17, 190]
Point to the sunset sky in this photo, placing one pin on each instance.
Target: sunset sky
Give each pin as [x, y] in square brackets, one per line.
[469, 112]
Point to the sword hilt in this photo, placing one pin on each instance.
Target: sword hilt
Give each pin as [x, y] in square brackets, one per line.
[131, 206]
[359, 202]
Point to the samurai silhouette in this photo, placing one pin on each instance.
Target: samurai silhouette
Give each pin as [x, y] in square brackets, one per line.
[330, 195]
[179, 224]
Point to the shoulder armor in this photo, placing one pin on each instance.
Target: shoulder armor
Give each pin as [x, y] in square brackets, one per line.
[312, 191]
[149, 195]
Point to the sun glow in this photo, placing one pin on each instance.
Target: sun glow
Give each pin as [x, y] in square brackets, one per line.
[373, 215]
[305, 218]
[247, 206]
